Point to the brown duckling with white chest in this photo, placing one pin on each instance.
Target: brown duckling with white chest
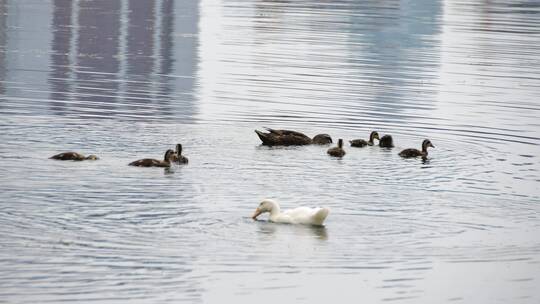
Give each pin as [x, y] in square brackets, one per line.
[149, 162]
[177, 157]
[73, 156]
[407, 153]
[290, 138]
[362, 143]
[337, 151]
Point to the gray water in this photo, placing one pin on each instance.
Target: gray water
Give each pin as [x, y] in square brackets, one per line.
[129, 79]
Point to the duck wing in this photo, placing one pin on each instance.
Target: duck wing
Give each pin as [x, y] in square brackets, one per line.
[283, 138]
[286, 132]
[305, 215]
[410, 153]
[149, 162]
[68, 156]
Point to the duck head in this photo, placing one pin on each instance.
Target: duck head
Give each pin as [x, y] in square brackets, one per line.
[425, 144]
[168, 155]
[322, 139]
[92, 157]
[266, 205]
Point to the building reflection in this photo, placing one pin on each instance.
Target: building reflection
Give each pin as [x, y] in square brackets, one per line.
[60, 50]
[3, 44]
[373, 61]
[97, 64]
[117, 58]
[399, 41]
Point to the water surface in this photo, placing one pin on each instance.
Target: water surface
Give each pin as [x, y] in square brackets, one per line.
[129, 79]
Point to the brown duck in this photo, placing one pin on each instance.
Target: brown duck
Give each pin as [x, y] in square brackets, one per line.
[177, 156]
[149, 162]
[322, 139]
[337, 151]
[386, 142]
[362, 143]
[415, 152]
[73, 156]
[290, 138]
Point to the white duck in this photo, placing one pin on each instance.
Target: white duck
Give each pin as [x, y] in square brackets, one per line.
[300, 215]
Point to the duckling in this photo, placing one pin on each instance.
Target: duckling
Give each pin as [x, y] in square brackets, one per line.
[415, 153]
[337, 151]
[386, 142]
[73, 156]
[322, 139]
[288, 138]
[149, 162]
[362, 143]
[177, 157]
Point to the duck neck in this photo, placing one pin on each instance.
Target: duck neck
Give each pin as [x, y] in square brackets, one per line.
[178, 149]
[167, 156]
[275, 211]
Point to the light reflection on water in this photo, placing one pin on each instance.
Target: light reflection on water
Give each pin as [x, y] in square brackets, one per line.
[129, 79]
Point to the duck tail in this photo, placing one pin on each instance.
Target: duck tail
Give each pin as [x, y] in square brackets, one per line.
[321, 215]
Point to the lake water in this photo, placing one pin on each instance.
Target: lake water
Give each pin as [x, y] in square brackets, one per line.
[129, 79]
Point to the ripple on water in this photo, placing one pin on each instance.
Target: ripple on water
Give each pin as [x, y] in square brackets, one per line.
[461, 73]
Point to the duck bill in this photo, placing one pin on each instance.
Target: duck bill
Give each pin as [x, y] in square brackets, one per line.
[431, 145]
[256, 213]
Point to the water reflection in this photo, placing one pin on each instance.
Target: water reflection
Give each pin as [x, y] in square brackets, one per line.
[3, 38]
[115, 58]
[398, 55]
[60, 55]
[376, 60]
[206, 73]
[267, 228]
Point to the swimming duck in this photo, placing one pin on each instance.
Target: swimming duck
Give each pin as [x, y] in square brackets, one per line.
[386, 142]
[149, 162]
[337, 151]
[362, 143]
[300, 215]
[322, 139]
[177, 157]
[73, 156]
[415, 153]
[290, 138]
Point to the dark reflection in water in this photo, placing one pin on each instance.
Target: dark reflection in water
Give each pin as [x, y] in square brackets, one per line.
[117, 58]
[97, 49]
[401, 52]
[3, 37]
[62, 68]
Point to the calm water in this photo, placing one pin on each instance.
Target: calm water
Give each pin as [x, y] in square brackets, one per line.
[129, 79]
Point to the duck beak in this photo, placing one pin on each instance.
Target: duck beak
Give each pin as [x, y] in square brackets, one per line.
[431, 145]
[256, 213]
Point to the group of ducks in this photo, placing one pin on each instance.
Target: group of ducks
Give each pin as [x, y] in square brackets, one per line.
[289, 138]
[316, 216]
[169, 158]
[301, 215]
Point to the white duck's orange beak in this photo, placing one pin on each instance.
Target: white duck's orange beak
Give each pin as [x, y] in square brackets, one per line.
[256, 213]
